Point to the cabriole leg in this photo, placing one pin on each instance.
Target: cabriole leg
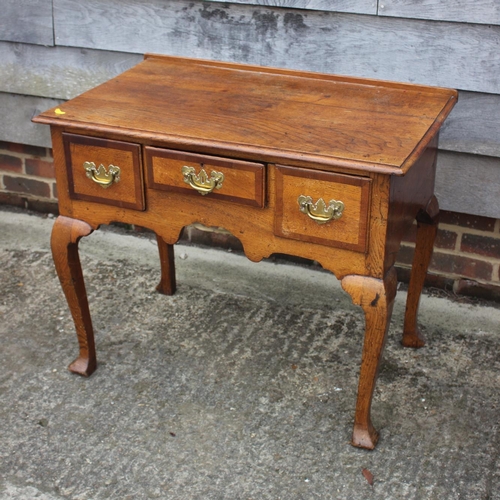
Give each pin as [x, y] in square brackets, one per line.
[376, 297]
[427, 225]
[66, 234]
[167, 284]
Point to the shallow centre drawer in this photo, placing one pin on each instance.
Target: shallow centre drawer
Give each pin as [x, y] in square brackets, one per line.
[104, 171]
[202, 175]
[322, 207]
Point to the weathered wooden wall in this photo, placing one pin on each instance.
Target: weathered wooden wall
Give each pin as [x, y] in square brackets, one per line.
[27, 21]
[54, 50]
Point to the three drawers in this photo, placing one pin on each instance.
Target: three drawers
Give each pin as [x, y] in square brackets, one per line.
[311, 205]
[104, 171]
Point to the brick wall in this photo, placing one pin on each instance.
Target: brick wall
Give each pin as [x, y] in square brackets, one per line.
[466, 256]
[27, 177]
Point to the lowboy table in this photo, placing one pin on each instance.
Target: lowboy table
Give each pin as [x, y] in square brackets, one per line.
[334, 169]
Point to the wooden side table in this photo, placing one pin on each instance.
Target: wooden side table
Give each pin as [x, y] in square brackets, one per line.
[329, 168]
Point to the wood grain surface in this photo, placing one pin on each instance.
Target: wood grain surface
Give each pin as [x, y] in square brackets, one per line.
[478, 11]
[66, 233]
[354, 6]
[349, 231]
[468, 184]
[427, 226]
[64, 72]
[243, 182]
[473, 125]
[446, 54]
[27, 21]
[20, 109]
[128, 192]
[257, 113]
[376, 298]
[58, 72]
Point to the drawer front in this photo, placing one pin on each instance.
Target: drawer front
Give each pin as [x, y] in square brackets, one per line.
[219, 178]
[340, 219]
[104, 171]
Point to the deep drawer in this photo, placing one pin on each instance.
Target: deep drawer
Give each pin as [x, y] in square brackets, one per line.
[104, 171]
[219, 178]
[322, 207]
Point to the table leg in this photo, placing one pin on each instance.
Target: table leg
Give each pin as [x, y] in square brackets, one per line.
[66, 234]
[376, 297]
[427, 225]
[167, 284]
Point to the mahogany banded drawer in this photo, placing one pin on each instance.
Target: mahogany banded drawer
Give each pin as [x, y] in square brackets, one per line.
[104, 171]
[194, 174]
[322, 207]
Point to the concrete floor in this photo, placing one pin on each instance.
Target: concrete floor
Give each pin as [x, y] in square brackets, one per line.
[237, 387]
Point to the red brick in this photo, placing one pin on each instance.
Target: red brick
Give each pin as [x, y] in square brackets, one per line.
[225, 240]
[459, 265]
[431, 280]
[142, 230]
[211, 239]
[28, 186]
[20, 201]
[475, 289]
[15, 200]
[466, 220]
[11, 163]
[481, 245]
[46, 207]
[23, 148]
[444, 239]
[40, 168]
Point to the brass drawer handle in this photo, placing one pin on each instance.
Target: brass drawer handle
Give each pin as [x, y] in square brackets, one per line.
[201, 182]
[319, 211]
[100, 175]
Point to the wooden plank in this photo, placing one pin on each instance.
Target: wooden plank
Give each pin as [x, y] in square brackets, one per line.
[455, 55]
[465, 11]
[468, 184]
[473, 125]
[27, 21]
[17, 111]
[354, 6]
[58, 72]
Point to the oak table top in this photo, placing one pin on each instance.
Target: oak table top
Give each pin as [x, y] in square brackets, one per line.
[264, 113]
[330, 168]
